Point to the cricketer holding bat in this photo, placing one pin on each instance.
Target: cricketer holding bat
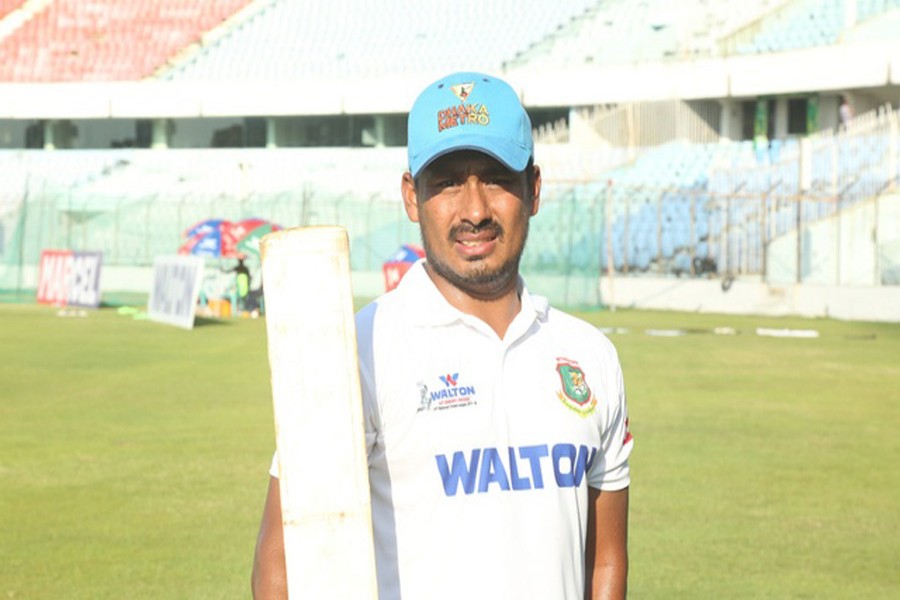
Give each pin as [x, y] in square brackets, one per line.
[496, 426]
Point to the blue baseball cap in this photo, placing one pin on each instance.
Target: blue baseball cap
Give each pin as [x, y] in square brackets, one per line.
[469, 111]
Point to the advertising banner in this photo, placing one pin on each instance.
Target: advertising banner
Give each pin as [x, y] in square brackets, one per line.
[67, 278]
[176, 288]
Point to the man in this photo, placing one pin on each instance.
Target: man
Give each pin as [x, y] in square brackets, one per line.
[496, 426]
[845, 111]
[242, 277]
[241, 282]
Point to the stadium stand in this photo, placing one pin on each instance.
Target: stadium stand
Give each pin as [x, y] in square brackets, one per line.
[800, 25]
[95, 40]
[619, 31]
[699, 186]
[7, 6]
[615, 31]
[866, 9]
[305, 40]
[810, 23]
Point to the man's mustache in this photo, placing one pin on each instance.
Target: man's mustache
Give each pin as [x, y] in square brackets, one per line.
[469, 229]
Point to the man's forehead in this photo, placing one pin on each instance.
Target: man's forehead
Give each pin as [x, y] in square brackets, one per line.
[466, 160]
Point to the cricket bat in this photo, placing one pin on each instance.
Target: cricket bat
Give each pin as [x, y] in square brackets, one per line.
[319, 431]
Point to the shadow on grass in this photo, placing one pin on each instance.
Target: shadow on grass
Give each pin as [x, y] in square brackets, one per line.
[138, 312]
[206, 321]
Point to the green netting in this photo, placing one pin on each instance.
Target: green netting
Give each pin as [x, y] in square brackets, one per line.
[138, 219]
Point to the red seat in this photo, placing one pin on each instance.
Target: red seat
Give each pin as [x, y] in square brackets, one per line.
[7, 6]
[105, 40]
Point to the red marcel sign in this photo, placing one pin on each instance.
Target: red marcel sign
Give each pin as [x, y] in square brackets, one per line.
[68, 278]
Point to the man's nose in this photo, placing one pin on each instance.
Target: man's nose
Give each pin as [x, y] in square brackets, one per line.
[475, 206]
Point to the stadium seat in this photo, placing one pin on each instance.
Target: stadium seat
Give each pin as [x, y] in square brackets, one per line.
[288, 40]
[93, 40]
[7, 6]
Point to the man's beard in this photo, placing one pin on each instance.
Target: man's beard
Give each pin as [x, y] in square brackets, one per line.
[481, 282]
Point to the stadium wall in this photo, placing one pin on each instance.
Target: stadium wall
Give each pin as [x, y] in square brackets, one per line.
[743, 297]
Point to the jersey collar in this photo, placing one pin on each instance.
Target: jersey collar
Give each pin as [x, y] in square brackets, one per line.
[425, 305]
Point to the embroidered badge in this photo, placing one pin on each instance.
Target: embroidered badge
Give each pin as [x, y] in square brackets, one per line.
[462, 90]
[575, 394]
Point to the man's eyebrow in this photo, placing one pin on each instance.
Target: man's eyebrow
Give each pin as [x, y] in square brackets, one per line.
[440, 174]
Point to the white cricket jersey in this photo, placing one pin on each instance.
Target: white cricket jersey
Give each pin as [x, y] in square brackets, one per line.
[481, 449]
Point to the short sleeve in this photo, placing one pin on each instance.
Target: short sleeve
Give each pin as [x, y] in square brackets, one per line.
[609, 471]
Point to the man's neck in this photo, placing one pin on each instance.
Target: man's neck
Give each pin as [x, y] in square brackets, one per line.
[498, 311]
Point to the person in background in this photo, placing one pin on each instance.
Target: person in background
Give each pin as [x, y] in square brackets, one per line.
[845, 111]
[242, 283]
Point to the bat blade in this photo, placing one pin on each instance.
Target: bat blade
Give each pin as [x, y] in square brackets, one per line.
[320, 437]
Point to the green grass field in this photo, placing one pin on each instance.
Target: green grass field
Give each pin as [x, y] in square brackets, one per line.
[134, 456]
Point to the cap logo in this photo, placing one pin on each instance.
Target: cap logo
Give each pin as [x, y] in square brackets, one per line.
[462, 90]
[473, 114]
[462, 114]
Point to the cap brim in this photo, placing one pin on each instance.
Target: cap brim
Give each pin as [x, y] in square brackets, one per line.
[513, 156]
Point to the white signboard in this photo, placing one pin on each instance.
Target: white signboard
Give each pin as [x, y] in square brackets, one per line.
[176, 288]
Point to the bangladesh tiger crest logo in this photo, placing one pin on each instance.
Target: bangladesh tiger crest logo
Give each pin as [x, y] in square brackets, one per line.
[575, 394]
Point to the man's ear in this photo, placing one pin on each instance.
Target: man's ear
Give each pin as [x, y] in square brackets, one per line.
[410, 199]
[536, 191]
